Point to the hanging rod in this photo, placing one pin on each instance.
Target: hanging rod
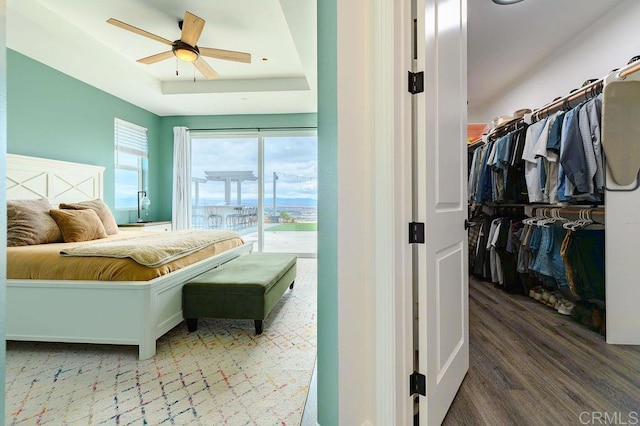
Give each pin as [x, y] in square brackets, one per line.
[569, 212]
[591, 89]
[506, 128]
[594, 88]
[630, 70]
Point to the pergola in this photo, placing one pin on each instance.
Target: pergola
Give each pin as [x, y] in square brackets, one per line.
[231, 176]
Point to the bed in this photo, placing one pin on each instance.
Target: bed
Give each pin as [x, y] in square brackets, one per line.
[97, 309]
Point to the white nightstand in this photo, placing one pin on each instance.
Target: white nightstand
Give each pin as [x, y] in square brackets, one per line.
[146, 226]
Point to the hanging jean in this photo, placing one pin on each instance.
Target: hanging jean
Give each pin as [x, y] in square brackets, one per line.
[585, 254]
[542, 262]
[557, 265]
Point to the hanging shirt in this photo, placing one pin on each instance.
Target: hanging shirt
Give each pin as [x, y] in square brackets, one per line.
[485, 181]
[587, 144]
[555, 132]
[551, 158]
[471, 193]
[532, 170]
[500, 164]
[572, 156]
[565, 187]
[516, 187]
[594, 113]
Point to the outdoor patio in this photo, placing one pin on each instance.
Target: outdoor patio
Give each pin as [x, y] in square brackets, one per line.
[302, 243]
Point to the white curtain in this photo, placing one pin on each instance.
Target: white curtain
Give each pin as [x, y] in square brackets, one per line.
[181, 217]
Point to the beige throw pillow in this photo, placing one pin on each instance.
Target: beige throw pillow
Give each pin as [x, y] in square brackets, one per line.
[29, 222]
[79, 225]
[97, 205]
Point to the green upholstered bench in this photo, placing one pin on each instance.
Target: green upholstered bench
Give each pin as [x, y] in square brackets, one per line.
[247, 287]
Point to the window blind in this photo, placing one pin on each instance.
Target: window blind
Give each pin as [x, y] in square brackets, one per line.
[130, 139]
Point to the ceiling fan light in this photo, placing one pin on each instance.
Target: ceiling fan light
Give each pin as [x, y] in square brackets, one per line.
[185, 55]
[184, 52]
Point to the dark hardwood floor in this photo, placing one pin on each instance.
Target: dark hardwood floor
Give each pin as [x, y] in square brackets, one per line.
[530, 365]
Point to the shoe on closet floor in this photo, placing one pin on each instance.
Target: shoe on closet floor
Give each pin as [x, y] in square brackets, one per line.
[557, 298]
[532, 291]
[565, 307]
[537, 293]
[545, 296]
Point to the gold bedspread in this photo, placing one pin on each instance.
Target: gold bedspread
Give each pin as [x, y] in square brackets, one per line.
[44, 262]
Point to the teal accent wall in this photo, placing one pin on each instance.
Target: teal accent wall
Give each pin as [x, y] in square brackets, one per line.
[165, 150]
[53, 115]
[3, 200]
[328, 392]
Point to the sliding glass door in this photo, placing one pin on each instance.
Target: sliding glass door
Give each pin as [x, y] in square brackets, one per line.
[290, 218]
[224, 181]
[263, 186]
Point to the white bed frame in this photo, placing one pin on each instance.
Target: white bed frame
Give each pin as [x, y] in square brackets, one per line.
[125, 313]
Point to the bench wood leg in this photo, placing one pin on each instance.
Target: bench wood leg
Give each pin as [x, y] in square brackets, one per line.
[291, 286]
[192, 324]
[258, 324]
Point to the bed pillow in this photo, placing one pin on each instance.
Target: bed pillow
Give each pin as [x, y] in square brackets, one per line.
[79, 225]
[29, 222]
[97, 205]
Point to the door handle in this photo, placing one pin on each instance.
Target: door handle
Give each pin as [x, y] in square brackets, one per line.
[468, 224]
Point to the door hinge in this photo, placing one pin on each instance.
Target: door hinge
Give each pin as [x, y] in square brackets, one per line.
[416, 233]
[416, 82]
[417, 384]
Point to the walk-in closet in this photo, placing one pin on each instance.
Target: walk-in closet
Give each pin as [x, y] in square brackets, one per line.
[554, 231]
[539, 185]
[536, 193]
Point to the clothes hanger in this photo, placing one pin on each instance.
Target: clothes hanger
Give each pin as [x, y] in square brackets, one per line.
[540, 221]
[583, 220]
[532, 220]
[553, 218]
[568, 225]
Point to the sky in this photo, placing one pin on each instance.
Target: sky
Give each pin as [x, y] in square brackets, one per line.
[294, 159]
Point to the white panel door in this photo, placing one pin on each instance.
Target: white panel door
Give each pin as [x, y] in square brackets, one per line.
[441, 203]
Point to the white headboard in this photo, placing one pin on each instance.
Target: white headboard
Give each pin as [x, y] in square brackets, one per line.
[58, 181]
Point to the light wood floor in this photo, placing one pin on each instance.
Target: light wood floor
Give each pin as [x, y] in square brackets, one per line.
[530, 365]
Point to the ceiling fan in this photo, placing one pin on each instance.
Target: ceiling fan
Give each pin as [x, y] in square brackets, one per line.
[186, 48]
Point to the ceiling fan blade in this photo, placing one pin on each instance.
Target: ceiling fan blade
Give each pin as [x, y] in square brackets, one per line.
[205, 68]
[156, 58]
[191, 29]
[137, 30]
[228, 55]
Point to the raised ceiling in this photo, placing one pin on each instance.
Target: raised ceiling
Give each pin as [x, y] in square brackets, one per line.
[74, 37]
[505, 43]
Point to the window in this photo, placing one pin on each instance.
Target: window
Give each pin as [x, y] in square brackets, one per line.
[131, 150]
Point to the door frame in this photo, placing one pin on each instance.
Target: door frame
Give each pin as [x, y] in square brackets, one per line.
[391, 127]
[391, 121]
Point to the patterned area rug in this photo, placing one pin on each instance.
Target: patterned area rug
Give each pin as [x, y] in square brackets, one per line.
[220, 375]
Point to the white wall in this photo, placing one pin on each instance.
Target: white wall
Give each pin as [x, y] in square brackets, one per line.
[609, 43]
